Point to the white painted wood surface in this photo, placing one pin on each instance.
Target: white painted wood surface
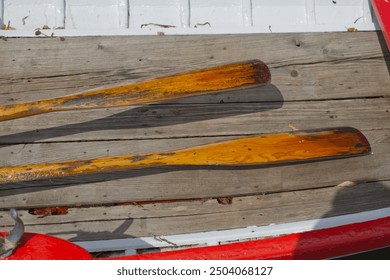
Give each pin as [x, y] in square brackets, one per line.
[134, 17]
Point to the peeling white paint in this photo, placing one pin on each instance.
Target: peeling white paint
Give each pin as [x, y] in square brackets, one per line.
[151, 17]
[167, 12]
[220, 14]
[21, 14]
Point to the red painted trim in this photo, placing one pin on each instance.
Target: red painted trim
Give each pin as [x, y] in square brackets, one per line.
[35, 246]
[382, 11]
[317, 244]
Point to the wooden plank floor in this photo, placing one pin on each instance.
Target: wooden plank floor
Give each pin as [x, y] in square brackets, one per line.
[319, 80]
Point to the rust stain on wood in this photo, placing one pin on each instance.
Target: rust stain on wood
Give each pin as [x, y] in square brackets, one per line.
[255, 150]
[225, 200]
[48, 211]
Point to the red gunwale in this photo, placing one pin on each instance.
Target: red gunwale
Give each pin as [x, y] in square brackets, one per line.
[317, 244]
[382, 11]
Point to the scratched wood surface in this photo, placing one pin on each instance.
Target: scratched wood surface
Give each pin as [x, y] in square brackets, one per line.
[318, 80]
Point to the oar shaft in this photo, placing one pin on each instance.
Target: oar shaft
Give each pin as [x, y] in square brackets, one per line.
[232, 76]
[70, 168]
[255, 150]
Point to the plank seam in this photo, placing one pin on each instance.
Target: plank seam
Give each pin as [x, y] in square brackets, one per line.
[334, 61]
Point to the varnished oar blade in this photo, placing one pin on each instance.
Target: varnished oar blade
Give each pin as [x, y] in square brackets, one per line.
[277, 148]
[259, 150]
[226, 77]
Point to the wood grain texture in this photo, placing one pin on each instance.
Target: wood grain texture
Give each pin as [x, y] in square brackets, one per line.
[304, 65]
[267, 149]
[319, 80]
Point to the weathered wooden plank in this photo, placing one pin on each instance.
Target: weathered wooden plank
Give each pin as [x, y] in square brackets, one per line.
[332, 80]
[188, 120]
[44, 68]
[91, 52]
[194, 216]
[187, 183]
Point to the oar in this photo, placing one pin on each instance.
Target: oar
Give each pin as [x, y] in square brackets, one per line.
[254, 150]
[232, 76]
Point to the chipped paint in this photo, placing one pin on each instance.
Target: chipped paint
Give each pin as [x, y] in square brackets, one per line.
[123, 17]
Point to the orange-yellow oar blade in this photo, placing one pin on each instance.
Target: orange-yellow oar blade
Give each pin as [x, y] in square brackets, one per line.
[259, 150]
[277, 148]
[232, 76]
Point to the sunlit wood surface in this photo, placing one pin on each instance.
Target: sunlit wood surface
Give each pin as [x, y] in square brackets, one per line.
[319, 80]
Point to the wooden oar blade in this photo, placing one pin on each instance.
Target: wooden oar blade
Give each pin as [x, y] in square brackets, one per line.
[278, 148]
[239, 75]
[260, 150]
